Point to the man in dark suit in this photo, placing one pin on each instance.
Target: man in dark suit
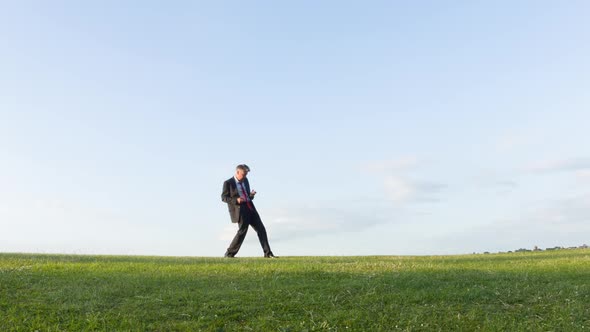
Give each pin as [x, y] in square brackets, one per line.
[236, 193]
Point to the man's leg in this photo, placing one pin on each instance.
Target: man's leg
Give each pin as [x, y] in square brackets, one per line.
[236, 243]
[258, 226]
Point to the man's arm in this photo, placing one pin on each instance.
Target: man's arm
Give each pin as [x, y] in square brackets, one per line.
[225, 195]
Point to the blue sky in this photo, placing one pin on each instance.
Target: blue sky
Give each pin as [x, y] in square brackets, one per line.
[378, 127]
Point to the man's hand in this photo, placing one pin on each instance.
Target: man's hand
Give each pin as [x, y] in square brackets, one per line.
[252, 193]
[239, 200]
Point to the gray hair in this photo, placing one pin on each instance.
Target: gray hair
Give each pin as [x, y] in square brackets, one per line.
[243, 167]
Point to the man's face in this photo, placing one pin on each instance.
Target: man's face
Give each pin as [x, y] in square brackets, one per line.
[241, 174]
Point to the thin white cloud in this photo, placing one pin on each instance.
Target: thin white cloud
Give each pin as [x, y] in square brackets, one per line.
[399, 186]
[297, 223]
[506, 183]
[492, 182]
[514, 140]
[583, 175]
[564, 222]
[563, 165]
[400, 189]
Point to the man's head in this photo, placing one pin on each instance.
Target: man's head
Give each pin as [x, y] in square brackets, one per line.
[242, 171]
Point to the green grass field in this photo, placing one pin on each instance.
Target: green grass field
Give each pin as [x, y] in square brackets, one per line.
[536, 291]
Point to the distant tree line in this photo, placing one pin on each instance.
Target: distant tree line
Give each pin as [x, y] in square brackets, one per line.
[535, 248]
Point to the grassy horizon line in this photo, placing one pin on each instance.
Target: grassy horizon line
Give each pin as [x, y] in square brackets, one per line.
[523, 291]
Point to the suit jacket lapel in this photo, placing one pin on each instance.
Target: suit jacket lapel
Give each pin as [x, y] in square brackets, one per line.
[234, 184]
[247, 185]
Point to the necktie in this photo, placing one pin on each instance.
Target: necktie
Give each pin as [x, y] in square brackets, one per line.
[245, 196]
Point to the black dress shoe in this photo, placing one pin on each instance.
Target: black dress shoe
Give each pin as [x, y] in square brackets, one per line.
[228, 256]
[270, 256]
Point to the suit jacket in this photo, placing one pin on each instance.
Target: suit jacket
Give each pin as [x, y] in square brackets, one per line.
[230, 195]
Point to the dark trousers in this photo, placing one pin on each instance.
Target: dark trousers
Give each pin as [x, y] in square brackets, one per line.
[249, 218]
